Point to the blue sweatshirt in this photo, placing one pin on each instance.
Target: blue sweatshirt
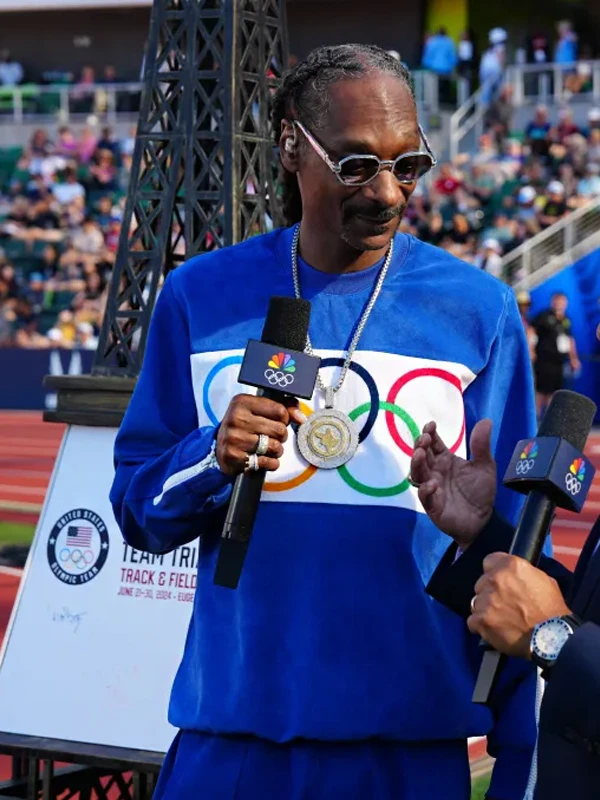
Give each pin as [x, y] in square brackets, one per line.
[330, 635]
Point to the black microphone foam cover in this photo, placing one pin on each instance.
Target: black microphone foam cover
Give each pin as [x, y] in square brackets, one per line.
[570, 416]
[286, 324]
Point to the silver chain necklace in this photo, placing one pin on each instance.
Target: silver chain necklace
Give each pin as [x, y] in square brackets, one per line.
[329, 438]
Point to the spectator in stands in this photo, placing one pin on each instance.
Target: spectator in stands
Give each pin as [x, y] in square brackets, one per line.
[555, 207]
[89, 238]
[566, 126]
[439, 54]
[537, 133]
[11, 71]
[87, 145]
[566, 46]
[491, 66]
[524, 304]
[499, 115]
[66, 145]
[103, 172]
[589, 185]
[70, 190]
[86, 338]
[467, 59]
[489, 257]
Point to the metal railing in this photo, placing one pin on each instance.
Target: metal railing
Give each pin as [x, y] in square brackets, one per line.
[470, 116]
[547, 83]
[64, 102]
[531, 84]
[561, 244]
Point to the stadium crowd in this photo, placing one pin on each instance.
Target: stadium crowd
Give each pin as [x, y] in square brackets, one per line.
[61, 204]
[517, 184]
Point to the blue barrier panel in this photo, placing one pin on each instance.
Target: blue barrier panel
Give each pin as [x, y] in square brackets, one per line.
[22, 373]
[581, 284]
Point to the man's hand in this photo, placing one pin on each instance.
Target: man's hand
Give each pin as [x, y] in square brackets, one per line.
[246, 418]
[457, 495]
[511, 598]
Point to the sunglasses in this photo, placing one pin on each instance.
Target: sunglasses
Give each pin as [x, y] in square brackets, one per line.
[357, 170]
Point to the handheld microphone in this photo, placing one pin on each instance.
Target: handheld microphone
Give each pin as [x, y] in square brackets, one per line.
[552, 470]
[279, 368]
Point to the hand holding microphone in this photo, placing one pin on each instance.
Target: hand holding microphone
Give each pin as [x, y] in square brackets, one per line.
[512, 596]
[251, 436]
[250, 425]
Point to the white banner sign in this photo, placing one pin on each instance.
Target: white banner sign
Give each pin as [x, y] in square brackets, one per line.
[98, 628]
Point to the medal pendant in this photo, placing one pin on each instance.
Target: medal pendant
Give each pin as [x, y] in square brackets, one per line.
[328, 439]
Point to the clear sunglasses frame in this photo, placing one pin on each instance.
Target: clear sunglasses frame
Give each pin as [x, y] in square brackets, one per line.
[337, 168]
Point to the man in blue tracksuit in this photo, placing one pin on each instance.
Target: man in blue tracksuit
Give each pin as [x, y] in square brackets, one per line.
[329, 673]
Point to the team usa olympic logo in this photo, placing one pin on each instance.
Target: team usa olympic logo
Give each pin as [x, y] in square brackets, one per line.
[78, 547]
[575, 475]
[527, 458]
[279, 370]
[367, 412]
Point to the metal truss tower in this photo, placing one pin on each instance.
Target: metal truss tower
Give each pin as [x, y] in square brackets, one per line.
[204, 171]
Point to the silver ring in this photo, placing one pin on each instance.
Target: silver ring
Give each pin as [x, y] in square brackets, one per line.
[412, 483]
[263, 444]
[252, 463]
[473, 599]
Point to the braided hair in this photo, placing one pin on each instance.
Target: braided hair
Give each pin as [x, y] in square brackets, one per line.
[303, 95]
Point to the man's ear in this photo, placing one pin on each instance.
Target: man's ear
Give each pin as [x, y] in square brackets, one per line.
[288, 146]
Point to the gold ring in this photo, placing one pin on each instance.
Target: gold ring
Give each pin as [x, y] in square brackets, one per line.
[473, 599]
[412, 483]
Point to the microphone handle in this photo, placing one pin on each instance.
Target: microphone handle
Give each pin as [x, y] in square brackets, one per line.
[532, 529]
[530, 535]
[241, 515]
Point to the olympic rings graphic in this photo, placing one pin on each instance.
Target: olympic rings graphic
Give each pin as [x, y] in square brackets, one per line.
[524, 466]
[226, 362]
[371, 387]
[80, 559]
[426, 372]
[298, 480]
[572, 483]
[373, 491]
[371, 408]
[278, 378]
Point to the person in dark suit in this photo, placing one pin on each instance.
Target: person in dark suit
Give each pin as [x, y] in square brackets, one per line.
[547, 614]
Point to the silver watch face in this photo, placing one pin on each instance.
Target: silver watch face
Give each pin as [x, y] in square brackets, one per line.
[549, 638]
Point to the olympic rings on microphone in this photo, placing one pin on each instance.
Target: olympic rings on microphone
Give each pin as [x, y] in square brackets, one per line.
[523, 466]
[426, 372]
[277, 378]
[572, 483]
[374, 491]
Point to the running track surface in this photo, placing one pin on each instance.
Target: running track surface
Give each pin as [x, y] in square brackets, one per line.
[28, 448]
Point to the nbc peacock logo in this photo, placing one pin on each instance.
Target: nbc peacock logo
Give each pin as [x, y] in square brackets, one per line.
[280, 370]
[527, 458]
[283, 361]
[577, 468]
[575, 476]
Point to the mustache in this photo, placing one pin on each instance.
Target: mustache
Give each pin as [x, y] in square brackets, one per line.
[377, 213]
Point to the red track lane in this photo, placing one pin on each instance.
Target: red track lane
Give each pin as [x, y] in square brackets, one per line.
[28, 448]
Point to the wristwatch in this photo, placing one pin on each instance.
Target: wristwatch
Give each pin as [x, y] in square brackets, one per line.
[549, 638]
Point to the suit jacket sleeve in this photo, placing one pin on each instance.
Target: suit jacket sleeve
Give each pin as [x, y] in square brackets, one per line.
[571, 706]
[453, 582]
